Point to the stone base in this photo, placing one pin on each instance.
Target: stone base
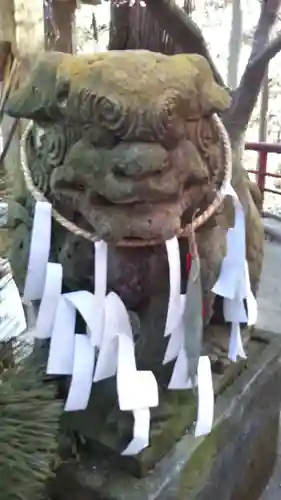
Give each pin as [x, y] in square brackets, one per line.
[234, 462]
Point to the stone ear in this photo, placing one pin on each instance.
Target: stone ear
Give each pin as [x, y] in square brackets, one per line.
[62, 92]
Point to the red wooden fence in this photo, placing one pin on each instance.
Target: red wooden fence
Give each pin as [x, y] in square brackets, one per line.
[264, 149]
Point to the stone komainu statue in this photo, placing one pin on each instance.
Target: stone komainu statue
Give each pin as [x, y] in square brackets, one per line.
[124, 144]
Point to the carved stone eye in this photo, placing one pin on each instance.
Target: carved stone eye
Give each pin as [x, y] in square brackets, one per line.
[62, 92]
[108, 109]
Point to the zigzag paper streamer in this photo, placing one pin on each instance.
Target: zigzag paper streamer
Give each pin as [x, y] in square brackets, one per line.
[233, 283]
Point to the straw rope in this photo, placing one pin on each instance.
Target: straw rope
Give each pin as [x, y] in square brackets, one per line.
[185, 232]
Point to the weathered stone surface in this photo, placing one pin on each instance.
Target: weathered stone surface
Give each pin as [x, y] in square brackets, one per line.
[145, 81]
[36, 99]
[124, 145]
[233, 463]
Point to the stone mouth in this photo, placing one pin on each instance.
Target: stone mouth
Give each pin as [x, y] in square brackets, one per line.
[143, 220]
[138, 173]
[143, 193]
[134, 190]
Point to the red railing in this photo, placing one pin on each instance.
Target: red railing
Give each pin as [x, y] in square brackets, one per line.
[263, 149]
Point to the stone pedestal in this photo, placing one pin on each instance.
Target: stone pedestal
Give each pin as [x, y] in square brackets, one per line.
[233, 463]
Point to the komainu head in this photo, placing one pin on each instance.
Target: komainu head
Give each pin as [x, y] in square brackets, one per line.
[140, 150]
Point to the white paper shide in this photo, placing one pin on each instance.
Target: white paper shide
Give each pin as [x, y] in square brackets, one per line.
[234, 282]
[106, 347]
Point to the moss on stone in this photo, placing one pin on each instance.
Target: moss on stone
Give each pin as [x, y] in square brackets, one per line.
[143, 79]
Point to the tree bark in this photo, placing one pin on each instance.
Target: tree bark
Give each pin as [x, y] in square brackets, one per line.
[235, 43]
[264, 110]
[245, 97]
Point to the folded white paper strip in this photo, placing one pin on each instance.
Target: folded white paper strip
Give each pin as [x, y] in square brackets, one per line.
[174, 305]
[233, 262]
[204, 381]
[136, 389]
[49, 303]
[235, 345]
[176, 338]
[39, 252]
[234, 283]
[100, 270]
[252, 305]
[61, 352]
[82, 376]
[62, 348]
[116, 322]
[141, 432]
[12, 317]
[179, 379]
[206, 398]
[74, 354]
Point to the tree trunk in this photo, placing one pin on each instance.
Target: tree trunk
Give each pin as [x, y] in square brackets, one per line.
[62, 20]
[137, 27]
[235, 42]
[263, 110]
[133, 27]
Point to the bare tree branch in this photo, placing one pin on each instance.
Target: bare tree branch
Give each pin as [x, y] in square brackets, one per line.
[270, 51]
[183, 30]
[245, 96]
[267, 19]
